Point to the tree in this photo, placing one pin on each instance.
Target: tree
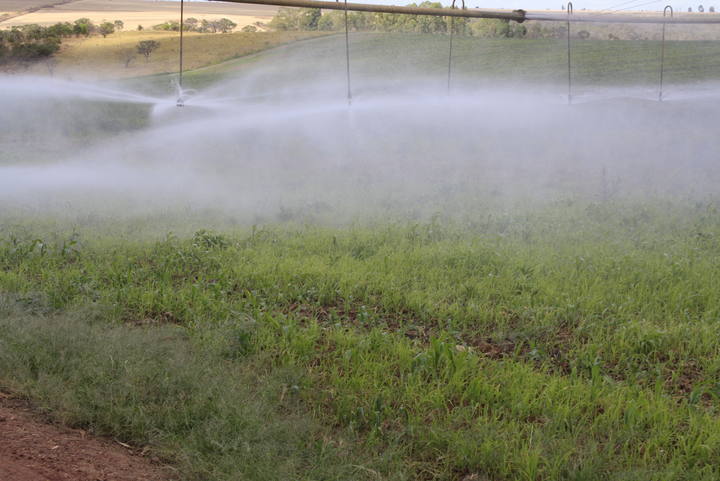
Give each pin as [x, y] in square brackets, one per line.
[106, 29]
[51, 64]
[518, 30]
[191, 24]
[127, 57]
[119, 25]
[206, 26]
[309, 19]
[711, 9]
[583, 34]
[326, 23]
[701, 9]
[64, 29]
[226, 25]
[83, 26]
[140, 28]
[285, 19]
[492, 28]
[29, 43]
[249, 28]
[147, 47]
[4, 50]
[170, 25]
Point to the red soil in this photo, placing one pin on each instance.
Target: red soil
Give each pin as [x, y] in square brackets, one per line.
[31, 450]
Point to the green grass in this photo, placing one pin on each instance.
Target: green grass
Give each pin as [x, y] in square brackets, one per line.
[205, 404]
[395, 58]
[571, 339]
[571, 342]
[398, 57]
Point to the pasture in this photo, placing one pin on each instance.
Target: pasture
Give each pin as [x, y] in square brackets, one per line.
[107, 58]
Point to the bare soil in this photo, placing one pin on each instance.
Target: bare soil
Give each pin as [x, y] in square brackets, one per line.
[33, 450]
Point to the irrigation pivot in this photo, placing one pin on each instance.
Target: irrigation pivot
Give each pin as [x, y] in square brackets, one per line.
[516, 15]
[452, 31]
[452, 12]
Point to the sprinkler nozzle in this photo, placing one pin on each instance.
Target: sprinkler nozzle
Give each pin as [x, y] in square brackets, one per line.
[180, 102]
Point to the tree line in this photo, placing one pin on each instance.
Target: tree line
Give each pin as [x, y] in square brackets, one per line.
[315, 19]
[27, 43]
[222, 25]
[334, 20]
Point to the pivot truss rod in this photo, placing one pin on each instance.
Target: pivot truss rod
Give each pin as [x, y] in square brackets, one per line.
[516, 15]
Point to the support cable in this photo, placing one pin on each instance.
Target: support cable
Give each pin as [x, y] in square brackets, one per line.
[516, 15]
[347, 55]
[452, 32]
[667, 9]
[569, 66]
[181, 100]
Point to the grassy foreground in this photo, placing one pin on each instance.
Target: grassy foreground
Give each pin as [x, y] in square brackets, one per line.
[573, 342]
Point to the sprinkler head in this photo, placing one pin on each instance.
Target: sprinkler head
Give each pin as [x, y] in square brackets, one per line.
[180, 102]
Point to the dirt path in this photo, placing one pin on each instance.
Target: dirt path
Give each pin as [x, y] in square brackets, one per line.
[31, 450]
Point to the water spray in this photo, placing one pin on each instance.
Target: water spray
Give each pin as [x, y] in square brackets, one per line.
[180, 95]
[183, 94]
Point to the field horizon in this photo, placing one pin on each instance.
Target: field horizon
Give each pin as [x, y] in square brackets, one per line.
[134, 12]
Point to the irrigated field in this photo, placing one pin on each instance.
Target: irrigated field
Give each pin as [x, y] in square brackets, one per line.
[386, 61]
[480, 287]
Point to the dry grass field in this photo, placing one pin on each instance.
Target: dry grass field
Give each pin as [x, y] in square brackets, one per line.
[17, 5]
[97, 57]
[133, 12]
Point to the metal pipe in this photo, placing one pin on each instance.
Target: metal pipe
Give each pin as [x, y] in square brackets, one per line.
[624, 18]
[516, 15]
[347, 55]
